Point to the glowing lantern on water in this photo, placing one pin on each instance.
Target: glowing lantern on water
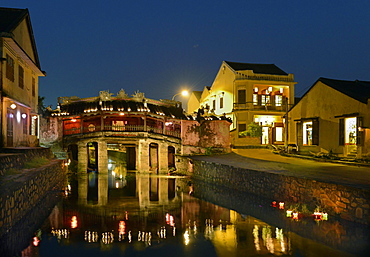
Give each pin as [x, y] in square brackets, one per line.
[36, 241]
[289, 213]
[317, 215]
[274, 204]
[122, 227]
[295, 215]
[281, 205]
[74, 222]
[324, 216]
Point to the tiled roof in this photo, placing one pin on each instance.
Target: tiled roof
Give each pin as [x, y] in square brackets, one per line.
[271, 69]
[80, 107]
[10, 18]
[359, 90]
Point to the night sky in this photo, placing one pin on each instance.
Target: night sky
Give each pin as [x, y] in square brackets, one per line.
[160, 47]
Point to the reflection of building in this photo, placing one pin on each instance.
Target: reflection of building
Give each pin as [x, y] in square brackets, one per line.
[247, 93]
[134, 133]
[19, 74]
[333, 115]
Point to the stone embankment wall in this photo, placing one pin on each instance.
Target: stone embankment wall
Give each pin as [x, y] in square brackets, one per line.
[15, 157]
[337, 200]
[19, 193]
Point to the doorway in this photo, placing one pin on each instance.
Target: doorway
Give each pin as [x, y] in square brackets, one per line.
[9, 128]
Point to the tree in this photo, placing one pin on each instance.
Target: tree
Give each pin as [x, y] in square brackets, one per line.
[253, 130]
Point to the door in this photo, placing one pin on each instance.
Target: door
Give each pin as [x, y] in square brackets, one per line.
[265, 135]
[9, 128]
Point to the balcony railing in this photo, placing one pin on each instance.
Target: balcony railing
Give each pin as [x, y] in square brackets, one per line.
[249, 106]
[283, 78]
[126, 128]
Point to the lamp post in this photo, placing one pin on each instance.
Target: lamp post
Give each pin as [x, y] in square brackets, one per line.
[183, 93]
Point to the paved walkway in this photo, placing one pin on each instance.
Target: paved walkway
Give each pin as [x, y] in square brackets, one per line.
[267, 161]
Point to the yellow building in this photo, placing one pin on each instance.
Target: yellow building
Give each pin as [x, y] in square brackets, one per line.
[333, 116]
[246, 93]
[19, 74]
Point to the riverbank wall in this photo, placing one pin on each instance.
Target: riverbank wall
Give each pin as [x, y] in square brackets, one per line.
[302, 194]
[15, 157]
[21, 192]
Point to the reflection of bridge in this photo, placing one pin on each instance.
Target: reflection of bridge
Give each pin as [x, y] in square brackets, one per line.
[147, 190]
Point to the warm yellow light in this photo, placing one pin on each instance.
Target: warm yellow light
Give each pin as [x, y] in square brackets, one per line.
[185, 93]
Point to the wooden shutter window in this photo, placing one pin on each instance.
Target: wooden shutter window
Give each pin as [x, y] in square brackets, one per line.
[315, 132]
[341, 131]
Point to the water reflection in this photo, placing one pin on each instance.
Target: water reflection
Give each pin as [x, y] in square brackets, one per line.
[150, 215]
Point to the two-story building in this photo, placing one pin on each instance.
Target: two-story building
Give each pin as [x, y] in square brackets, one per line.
[333, 116]
[19, 75]
[249, 93]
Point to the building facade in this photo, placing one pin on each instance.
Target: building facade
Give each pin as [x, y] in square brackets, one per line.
[249, 93]
[19, 75]
[119, 133]
[333, 116]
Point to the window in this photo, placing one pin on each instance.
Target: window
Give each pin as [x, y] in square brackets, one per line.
[242, 99]
[279, 134]
[310, 132]
[307, 133]
[25, 123]
[20, 77]
[33, 87]
[242, 127]
[278, 100]
[221, 102]
[265, 100]
[255, 99]
[118, 125]
[214, 104]
[33, 129]
[9, 68]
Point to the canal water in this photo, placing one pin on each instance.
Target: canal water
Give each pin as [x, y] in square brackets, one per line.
[151, 215]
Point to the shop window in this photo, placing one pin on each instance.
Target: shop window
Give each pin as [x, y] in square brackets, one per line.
[351, 131]
[279, 134]
[307, 133]
[33, 129]
[310, 130]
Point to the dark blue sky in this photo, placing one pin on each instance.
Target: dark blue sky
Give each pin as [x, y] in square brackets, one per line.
[159, 47]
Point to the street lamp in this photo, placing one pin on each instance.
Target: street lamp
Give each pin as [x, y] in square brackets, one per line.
[183, 93]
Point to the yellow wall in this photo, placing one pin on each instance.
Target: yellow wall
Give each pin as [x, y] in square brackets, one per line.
[324, 102]
[12, 89]
[22, 37]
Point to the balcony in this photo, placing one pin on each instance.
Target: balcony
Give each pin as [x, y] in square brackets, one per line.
[250, 106]
[119, 130]
[252, 76]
